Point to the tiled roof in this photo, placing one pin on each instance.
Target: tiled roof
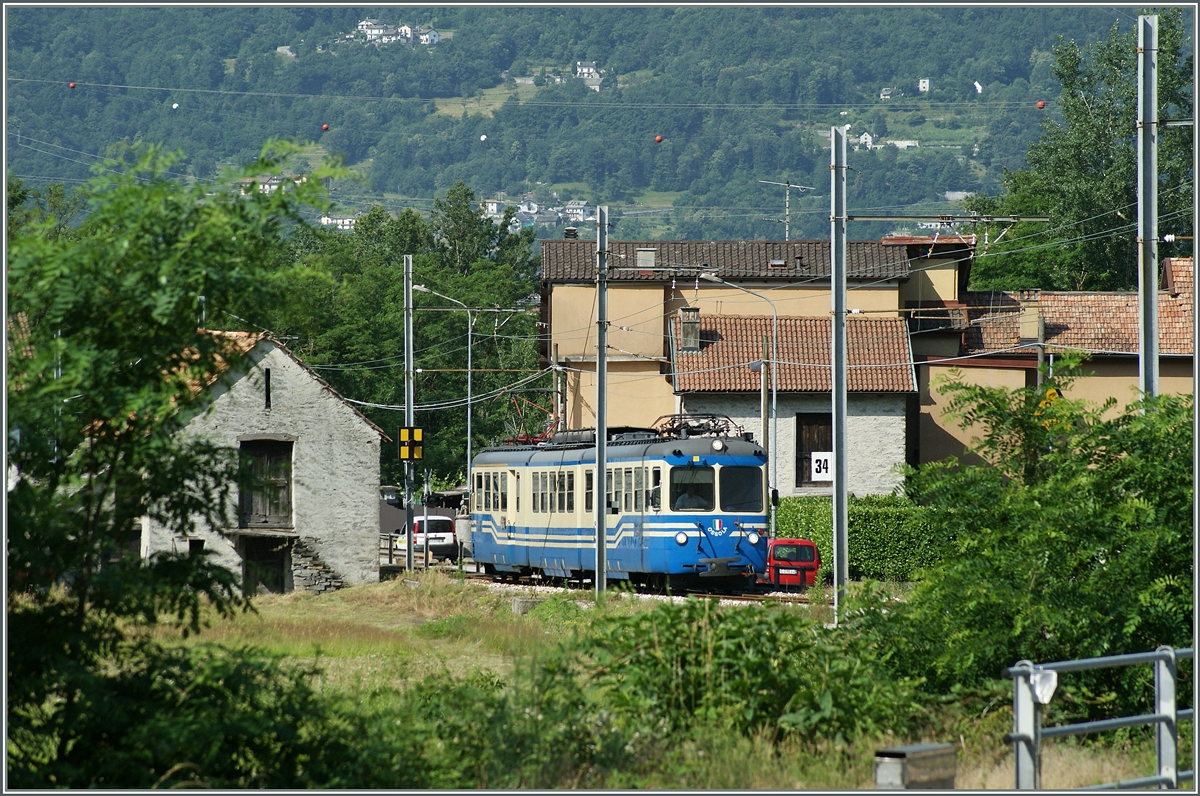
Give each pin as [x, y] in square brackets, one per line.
[1097, 322]
[877, 348]
[575, 260]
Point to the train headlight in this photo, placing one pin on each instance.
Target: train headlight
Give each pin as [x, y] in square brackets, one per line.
[717, 445]
[681, 538]
[752, 538]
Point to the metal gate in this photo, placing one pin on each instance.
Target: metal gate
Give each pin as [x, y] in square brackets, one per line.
[1034, 686]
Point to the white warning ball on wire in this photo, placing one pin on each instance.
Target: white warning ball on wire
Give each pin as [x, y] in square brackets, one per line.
[176, 105]
[483, 138]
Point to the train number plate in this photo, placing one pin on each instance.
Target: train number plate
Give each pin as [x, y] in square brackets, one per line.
[787, 572]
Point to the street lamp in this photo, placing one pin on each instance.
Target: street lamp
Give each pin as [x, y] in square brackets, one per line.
[774, 385]
[470, 408]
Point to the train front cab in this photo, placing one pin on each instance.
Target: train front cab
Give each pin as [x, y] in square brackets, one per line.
[718, 517]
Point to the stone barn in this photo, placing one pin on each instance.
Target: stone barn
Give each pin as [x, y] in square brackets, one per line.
[311, 520]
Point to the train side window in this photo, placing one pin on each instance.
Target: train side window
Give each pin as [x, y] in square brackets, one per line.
[517, 491]
[478, 491]
[554, 477]
[533, 493]
[496, 491]
[589, 487]
[544, 493]
[639, 489]
[614, 495]
[654, 496]
[504, 491]
[561, 488]
[571, 493]
[487, 492]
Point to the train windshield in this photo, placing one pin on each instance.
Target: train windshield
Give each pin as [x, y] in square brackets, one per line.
[741, 489]
[693, 488]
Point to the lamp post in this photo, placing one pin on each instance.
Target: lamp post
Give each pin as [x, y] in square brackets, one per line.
[470, 407]
[774, 386]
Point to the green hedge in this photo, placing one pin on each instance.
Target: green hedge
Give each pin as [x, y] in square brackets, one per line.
[889, 537]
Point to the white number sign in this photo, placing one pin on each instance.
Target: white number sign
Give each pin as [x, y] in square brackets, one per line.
[822, 462]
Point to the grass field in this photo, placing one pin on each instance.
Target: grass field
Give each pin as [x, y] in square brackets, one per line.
[485, 102]
[393, 636]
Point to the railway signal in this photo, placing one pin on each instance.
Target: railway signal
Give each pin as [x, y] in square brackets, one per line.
[411, 443]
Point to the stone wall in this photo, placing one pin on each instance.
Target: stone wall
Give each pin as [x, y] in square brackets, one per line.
[310, 573]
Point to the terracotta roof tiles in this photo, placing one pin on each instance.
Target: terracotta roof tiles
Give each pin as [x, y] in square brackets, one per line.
[1097, 322]
[728, 343]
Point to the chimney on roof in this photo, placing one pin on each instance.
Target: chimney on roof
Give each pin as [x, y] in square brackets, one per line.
[1032, 323]
[689, 342]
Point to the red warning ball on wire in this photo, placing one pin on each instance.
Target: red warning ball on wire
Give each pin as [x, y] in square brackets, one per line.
[658, 139]
[324, 127]
[70, 85]
[1041, 105]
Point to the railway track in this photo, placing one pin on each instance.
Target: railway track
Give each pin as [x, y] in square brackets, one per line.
[800, 598]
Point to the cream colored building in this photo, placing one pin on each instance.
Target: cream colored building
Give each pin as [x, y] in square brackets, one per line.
[998, 335]
[922, 279]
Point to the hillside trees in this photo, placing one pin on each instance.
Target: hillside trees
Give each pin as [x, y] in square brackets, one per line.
[104, 363]
[1082, 170]
[773, 68]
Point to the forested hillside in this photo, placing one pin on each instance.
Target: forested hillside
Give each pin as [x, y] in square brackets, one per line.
[737, 95]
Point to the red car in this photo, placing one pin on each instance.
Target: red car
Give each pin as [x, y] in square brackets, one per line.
[791, 563]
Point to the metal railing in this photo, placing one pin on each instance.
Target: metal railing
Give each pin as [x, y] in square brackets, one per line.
[1034, 686]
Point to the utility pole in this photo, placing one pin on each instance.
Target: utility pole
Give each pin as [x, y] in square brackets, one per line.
[1147, 177]
[600, 503]
[408, 411]
[837, 221]
[787, 203]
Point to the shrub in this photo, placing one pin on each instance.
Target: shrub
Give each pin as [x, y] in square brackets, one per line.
[693, 665]
[890, 537]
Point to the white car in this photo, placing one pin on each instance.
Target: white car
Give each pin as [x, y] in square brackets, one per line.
[443, 541]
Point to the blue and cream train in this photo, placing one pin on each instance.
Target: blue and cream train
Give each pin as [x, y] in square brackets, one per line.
[687, 506]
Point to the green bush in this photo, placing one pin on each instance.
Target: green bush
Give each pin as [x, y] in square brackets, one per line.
[680, 667]
[890, 537]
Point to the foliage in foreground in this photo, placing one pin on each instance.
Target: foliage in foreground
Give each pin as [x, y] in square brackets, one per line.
[1073, 541]
[104, 363]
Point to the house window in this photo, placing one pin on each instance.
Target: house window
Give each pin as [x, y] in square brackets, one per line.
[814, 434]
[265, 496]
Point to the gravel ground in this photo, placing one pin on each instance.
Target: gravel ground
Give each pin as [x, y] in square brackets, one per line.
[520, 590]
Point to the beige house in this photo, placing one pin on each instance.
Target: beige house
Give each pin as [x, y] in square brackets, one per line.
[917, 281]
[997, 337]
[650, 282]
